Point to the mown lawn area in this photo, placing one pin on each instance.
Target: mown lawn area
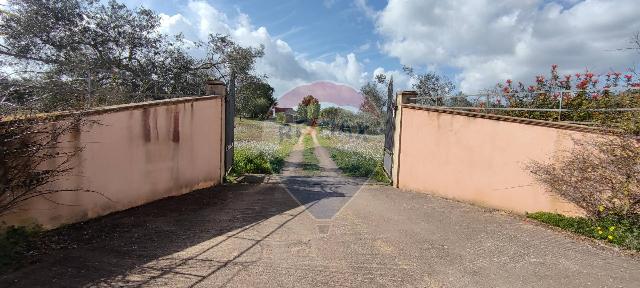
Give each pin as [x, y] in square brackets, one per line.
[261, 146]
[622, 233]
[310, 162]
[356, 155]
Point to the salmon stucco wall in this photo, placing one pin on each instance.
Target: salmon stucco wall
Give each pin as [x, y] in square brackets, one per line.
[132, 156]
[482, 161]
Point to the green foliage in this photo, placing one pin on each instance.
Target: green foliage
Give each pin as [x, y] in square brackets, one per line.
[627, 121]
[372, 110]
[15, 243]
[308, 100]
[339, 119]
[331, 114]
[281, 117]
[335, 117]
[581, 109]
[261, 147]
[430, 85]
[313, 112]
[374, 100]
[308, 110]
[254, 98]
[623, 233]
[578, 225]
[591, 104]
[248, 161]
[352, 163]
[118, 48]
[380, 175]
[301, 112]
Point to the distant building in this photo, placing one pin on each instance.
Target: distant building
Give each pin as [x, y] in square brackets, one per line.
[289, 113]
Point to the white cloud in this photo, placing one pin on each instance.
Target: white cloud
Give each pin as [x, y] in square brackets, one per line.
[368, 11]
[285, 68]
[490, 41]
[401, 80]
[364, 47]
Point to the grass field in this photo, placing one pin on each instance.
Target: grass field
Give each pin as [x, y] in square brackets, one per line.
[309, 161]
[355, 154]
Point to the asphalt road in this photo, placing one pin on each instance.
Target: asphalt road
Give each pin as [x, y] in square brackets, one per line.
[266, 235]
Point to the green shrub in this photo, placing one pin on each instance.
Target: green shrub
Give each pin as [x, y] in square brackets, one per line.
[261, 147]
[380, 175]
[617, 231]
[15, 243]
[249, 161]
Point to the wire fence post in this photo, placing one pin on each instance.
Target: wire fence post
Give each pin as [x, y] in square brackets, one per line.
[486, 104]
[560, 110]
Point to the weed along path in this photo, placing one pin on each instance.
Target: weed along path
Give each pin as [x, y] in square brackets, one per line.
[312, 227]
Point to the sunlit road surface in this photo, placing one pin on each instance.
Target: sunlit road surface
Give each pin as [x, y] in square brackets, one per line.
[323, 231]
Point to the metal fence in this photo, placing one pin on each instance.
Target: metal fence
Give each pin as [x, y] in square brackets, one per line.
[554, 105]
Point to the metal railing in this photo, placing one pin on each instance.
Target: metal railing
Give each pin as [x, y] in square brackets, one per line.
[499, 102]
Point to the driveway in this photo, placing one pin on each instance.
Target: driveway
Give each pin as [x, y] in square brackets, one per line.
[266, 235]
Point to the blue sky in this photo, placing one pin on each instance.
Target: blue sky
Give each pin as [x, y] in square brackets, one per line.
[317, 29]
[477, 43]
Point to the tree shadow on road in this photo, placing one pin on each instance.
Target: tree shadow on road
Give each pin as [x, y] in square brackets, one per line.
[323, 196]
[103, 250]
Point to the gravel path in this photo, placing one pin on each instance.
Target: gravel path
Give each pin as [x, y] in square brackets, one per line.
[269, 235]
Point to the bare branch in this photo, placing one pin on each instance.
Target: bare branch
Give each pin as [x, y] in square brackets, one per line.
[599, 175]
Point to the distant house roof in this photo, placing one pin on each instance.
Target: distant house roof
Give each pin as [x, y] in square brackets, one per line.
[281, 109]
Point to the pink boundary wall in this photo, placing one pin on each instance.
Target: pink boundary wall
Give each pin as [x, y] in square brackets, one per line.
[136, 154]
[469, 158]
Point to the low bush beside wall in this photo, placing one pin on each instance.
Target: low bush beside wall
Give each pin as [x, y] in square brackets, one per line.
[623, 233]
[261, 146]
[15, 244]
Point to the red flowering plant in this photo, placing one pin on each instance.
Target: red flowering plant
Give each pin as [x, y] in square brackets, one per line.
[540, 95]
[599, 174]
[584, 97]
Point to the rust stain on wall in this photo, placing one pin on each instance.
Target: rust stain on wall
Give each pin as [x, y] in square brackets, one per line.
[192, 111]
[176, 127]
[146, 125]
[155, 123]
[118, 161]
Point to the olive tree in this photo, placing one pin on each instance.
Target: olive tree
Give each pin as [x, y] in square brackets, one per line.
[430, 85]
[107, 51]
[254, 97]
